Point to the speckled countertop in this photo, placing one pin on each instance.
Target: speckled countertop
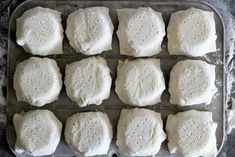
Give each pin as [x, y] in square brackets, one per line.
[225, 7]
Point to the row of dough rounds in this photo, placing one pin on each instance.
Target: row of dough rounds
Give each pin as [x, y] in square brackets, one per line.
[191, 32]
[139, 82]
[139, 133]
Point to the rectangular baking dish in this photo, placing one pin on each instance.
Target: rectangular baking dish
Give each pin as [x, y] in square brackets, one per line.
[64, 107]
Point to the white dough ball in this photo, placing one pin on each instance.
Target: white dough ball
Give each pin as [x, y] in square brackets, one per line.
[38, 132]
[88, 81]
[192, 133]
[140, 132]
[191, 32]
[192, 82]
[90, 30]
[140, 31]
[39, 31]
[37, 81]
[89, 133]
[140, 82]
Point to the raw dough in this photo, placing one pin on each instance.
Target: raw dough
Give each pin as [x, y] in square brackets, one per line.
[192, 133]
[89, 133]
[140, 82]
[192, 82]
[37, 81]
[140, 31]
[88, 81]
[191, 32]
[90, 30]
[38, 132]
[140, 132]
[40, 32]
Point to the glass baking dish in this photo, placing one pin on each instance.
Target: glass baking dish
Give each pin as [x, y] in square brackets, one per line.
[64, 107]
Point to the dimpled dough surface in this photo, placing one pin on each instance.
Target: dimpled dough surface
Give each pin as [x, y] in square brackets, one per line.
[37, 81]
[140, 82]
[192, 82]
[192, 133]
[40, 32]
[38, 132]
[140, 31]
[88, 81]
[140, 132]
[89, 133]
[90, 30]
[191, 32]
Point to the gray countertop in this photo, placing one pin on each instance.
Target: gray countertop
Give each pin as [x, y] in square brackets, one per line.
[225, 7]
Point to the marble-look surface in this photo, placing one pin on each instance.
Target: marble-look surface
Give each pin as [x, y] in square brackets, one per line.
[225, 7]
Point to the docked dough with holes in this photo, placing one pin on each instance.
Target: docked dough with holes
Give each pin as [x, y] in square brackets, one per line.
[39, 31]
[192, 82]
[140, 31]
[89, 133]
[38, 132]
[192, 133]
[88, 81]
[140, 82]
[90, 30]
[191, 32]
[140, 132]
[37, 81]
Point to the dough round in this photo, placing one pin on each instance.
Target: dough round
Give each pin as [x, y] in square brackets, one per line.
[140, 132]
[88, 81]
[38, 132]
[37, 81]
[191, 32]
[39, 31]
[192, 133]
[192, 82]
[140, 31]
[89, 133]
[90, 30]
[140, 82]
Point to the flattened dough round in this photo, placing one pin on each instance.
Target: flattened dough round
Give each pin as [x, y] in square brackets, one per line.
[140, 82]
[88, 81]
[140, 31]
[140, 132]
[90, 30]
[39, 31]
[38, 132]
[192, 82]
[89, 133]
[191, 32]
[37, 81]
[192, 133]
